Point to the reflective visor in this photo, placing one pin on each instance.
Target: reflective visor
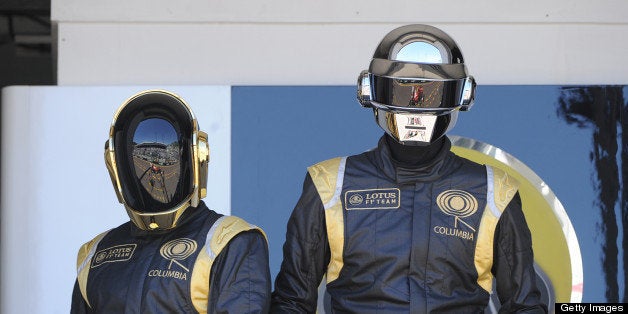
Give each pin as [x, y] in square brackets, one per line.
[153, 155]
[157, 153]
[416, 95]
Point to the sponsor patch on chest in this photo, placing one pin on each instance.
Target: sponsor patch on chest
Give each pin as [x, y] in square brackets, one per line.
[176, 252]
[372, 199]
[461, 206]
[118, 253]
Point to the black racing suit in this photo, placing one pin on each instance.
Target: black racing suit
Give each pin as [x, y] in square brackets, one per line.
[397, 240]
[130, 270]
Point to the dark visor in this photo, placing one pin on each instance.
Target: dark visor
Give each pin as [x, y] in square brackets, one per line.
[153, 156]
[157, 152]
[414, 94]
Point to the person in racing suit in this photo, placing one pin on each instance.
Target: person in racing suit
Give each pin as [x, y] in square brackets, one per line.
[409, 227]
[175, 255]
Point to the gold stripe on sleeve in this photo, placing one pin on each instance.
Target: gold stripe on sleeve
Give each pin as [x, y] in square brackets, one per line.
[328, 177]
[501, 188]
[218, 236]
[83, 261]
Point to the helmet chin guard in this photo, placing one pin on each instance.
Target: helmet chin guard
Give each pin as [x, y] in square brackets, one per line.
[157, 158]
[416, 84]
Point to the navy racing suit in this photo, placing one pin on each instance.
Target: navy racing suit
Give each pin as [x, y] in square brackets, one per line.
[391, 239]
[208, 263]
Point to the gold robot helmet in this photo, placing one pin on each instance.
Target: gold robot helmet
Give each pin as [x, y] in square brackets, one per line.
[157, 158]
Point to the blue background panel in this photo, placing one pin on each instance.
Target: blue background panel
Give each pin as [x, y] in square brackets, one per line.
[277, 132]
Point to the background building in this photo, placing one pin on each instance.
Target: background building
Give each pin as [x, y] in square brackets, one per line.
[273, 83]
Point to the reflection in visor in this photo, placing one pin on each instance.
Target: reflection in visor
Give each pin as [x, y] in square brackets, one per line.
[420, 94]
[157, 158]
[419, 52]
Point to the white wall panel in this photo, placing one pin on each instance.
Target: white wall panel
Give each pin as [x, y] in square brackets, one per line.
[56, 192]
[332, 11]
[327, 54]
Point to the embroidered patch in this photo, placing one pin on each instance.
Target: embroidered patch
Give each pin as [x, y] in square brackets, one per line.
[175, 250]
[458, 204]
[372, 199]
[118, 253]
[178, 250]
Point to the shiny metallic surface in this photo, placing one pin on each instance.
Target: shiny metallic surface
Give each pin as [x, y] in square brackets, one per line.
[426, 111]
[468, 94]
[417, 69]
[419, 51]
[157, 158]
[397, 39]
[203, 154]
[364, 89]
[164, 170]
[551, 199]
[398, 69]
[414, 95]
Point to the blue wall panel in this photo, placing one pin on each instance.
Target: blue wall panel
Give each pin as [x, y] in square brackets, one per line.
[278, 131]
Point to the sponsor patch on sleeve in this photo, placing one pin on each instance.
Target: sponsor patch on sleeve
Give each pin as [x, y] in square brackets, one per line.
[372, 199]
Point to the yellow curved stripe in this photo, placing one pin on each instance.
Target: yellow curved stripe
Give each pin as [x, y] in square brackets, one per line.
[325, 177]
[224, 229]
[504, 189]
[484, 250]
[83, 261]
[335, 231]
[199, 281]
